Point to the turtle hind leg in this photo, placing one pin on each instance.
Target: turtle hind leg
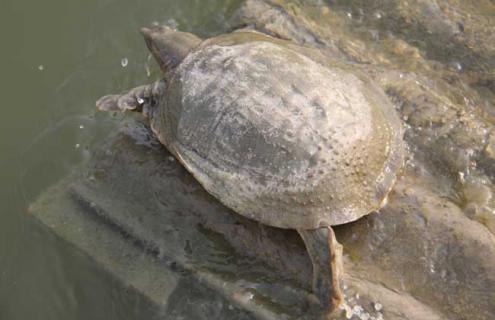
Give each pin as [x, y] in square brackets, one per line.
[326, 256]
[140, 99]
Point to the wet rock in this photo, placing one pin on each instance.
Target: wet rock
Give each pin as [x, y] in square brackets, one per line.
[423, 244]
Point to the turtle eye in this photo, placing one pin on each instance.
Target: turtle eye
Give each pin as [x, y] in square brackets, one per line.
[153, 101]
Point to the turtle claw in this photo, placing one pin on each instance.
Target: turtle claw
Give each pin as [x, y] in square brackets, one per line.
[108, 103]
[118, 102]
[127, 102]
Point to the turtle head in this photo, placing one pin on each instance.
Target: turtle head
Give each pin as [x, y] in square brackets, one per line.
[169, 46]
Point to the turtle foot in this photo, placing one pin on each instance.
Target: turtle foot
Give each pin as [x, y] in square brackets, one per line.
[138, 99]
[116, 102]
[326, 256]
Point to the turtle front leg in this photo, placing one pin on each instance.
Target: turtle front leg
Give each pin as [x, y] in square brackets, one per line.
[326, 256]
[140, 99]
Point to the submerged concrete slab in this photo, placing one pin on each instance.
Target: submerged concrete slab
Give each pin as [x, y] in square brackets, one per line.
[143, 218]
[137, 270]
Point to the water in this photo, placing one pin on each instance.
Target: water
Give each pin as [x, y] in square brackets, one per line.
[57, 57]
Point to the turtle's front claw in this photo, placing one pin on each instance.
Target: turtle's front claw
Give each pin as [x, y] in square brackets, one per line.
[118, 102]
[108, 103]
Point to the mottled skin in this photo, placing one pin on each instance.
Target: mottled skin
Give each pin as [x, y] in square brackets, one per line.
[274, 133]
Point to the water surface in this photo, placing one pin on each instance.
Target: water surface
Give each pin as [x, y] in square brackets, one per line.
[57, 58]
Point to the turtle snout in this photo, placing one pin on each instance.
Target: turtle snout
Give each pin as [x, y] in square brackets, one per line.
[146, 32]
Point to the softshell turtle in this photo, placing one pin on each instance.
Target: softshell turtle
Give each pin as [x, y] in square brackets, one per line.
[274, 133]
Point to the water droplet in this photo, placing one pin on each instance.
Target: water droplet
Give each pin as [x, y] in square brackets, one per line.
[456, 65]
[375, 34]
[243, 297]
[348, 312]
[357, 310]
[148, 70]
[432, 267]
[377, 306]
[41, 67]
[124, 62]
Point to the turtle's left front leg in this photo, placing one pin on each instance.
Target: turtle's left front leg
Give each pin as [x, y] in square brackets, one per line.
[326, 256]
[140, 99]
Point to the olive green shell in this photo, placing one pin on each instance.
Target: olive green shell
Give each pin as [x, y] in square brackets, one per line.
[277, 136]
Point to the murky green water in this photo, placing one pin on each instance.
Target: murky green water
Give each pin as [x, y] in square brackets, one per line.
[57, 57]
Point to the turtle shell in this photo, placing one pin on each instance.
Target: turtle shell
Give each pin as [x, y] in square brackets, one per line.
[279, 137]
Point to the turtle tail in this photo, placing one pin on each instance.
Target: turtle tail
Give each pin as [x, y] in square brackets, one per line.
[140, 99]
